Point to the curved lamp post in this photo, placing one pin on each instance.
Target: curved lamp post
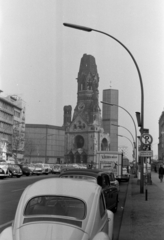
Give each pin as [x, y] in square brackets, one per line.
[127, 130]
[111, 104]
[126, 138]
[87, 29]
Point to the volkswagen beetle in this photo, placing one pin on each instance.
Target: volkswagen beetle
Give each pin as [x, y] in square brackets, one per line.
[65, 209]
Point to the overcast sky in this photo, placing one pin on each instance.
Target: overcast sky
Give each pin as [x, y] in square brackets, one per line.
[40, 58]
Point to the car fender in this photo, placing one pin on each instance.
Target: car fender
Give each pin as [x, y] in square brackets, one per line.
[110, 223]
[101, 236]
[6, 234]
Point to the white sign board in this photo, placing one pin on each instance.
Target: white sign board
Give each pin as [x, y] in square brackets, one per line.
[146, 153]
[109, 162]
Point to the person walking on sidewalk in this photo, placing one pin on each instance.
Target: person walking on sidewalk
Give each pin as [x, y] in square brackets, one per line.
[161, 173]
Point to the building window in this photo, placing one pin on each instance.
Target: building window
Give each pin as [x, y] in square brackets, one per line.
[79, 141]
[17, 114]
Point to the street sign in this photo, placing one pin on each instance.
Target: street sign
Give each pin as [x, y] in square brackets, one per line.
[146, 153]
[146, 139]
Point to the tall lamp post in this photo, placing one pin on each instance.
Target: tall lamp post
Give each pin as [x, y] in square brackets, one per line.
[126, 138]
[127, 130]
[136, 145]
[87, 29]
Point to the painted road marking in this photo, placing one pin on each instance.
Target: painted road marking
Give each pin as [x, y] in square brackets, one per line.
[5, 224]
[17, 190]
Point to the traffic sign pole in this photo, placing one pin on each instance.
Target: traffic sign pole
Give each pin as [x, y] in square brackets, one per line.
[146, 141]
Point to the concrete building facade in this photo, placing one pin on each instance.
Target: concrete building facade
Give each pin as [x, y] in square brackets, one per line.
[110, 116]
[44, 143]
[12, 122]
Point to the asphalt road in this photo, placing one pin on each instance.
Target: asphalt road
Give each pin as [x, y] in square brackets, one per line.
[11, 190]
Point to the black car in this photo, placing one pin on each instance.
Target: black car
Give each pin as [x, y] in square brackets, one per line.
[25, 170]
[14, 170]
[102, 179]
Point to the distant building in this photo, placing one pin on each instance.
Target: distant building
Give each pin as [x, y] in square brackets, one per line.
[84, 133]
[110, 116]
[12, 118]
[44, 143]
[161, 138]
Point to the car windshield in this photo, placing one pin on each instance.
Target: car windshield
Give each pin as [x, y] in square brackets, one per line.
[57, 166]
[56, 205]
[3, 163]
[38, 165]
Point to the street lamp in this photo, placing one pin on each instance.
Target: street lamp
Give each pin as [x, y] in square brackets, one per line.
[127, 130]
[87, 29]
[126, 138]
[136, 145]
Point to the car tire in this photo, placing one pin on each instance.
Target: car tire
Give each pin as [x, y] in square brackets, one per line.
[18, 176]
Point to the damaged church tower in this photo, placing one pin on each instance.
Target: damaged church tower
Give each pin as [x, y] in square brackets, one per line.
[84, 133]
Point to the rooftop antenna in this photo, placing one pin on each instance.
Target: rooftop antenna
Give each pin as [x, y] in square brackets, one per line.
[110, 84]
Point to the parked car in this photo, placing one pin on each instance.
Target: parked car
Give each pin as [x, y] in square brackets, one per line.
[101, 178]
[31, 166]
[4, 170]
[125, 174]
[113, 180]
[26, 170]
[46, 168]
[14, 170]
[75, 210]
[38, 170]
[56, 168]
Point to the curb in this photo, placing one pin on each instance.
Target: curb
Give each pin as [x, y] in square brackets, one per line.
[126, 223]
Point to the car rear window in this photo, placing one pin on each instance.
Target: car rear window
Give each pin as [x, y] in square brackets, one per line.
[56, 205]
[80, 177]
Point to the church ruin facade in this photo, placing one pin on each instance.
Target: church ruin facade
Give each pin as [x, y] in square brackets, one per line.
[84, 135]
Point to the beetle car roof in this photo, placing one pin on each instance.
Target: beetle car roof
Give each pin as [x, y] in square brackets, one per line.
[87, 172]
[63, 187]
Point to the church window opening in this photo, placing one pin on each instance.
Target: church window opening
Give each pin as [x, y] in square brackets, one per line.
[79, 141]
[104, 145]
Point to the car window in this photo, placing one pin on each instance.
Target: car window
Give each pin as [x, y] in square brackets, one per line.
[105, 181]
[79, 177]
[102, 206]
[56, 205]
[111, 177]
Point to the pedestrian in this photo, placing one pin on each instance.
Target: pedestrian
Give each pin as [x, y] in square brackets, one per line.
[161, 173]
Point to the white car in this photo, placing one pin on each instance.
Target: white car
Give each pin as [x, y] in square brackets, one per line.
[59, 208]
[38, 169]
[56, 168]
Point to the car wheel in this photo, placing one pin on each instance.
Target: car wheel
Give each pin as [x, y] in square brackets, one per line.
[18, 176]
[27, 174]
[116, 206]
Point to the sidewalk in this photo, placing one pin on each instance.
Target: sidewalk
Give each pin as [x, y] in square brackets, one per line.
[143, 220]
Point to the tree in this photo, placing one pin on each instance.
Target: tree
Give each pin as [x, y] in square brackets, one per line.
[29, 147]
[17, 142]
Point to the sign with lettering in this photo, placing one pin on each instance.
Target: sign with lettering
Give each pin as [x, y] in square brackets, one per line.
[146, 153]
[109, 162]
